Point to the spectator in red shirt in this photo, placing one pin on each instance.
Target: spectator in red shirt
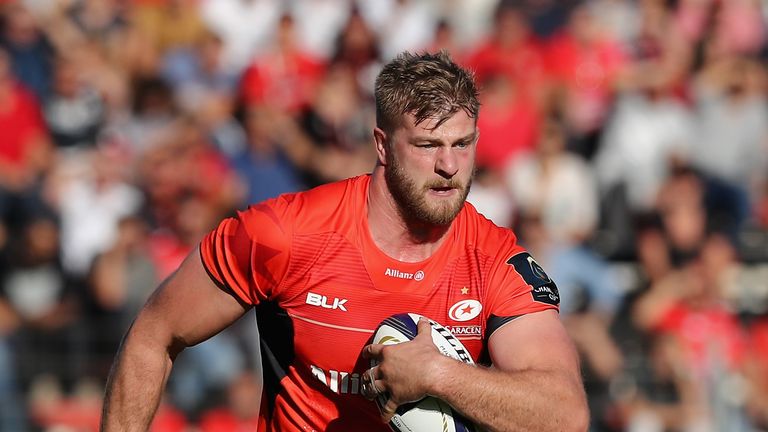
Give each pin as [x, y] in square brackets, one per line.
[24, 145]
[285, 76]
[511, 50]
[23, 138]
[510, 123]
[585, 63]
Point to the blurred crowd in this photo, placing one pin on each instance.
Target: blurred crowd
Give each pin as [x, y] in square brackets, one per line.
[624, 140]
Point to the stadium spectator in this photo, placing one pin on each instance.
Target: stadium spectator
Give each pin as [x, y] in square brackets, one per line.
[74, 111]
[98, 19]
[29, 49]
[510, 123]
[271, 162]
[511, 50]
[247, 28]
[649, 130]
[620, 19]
[333, 122]
[91, 193]
[491, 197]
[408, 24]
[197, 74]
[241, 411]
[731, 108]
[357, 47]
[118, 280]
[48, 303]
[705, 341]
[318, 23]
[283, 75]
[555, 185]
[169, 26]
[25, 149]
[585, 65]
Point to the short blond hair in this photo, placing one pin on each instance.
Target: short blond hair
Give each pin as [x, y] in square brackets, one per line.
[427, 86]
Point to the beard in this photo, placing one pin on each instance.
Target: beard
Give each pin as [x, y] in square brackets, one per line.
[411, 199]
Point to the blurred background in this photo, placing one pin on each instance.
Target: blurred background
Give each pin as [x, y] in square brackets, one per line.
[623, 140]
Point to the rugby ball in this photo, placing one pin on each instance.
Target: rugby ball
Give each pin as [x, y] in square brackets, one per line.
[430, 413]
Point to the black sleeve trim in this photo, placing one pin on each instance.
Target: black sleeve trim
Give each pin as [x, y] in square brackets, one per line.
[495, 322]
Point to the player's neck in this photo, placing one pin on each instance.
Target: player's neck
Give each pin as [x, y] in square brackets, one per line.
[392, 234]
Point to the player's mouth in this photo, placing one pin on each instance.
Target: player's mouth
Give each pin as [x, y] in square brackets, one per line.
[443, 190]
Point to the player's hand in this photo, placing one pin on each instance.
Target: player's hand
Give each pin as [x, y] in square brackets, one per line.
[405, 370]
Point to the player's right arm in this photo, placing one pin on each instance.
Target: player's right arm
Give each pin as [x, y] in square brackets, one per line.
[238, 265]
[186, 309]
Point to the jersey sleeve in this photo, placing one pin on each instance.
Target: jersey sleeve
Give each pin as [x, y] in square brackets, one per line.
[247, 255]
[518, 286]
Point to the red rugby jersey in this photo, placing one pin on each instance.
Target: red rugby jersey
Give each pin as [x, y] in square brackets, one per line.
[321, 286]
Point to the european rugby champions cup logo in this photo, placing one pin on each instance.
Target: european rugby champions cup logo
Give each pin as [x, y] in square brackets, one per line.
[543, 289]
[538, 270]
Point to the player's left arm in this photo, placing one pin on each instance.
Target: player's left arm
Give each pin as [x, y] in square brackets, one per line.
[534, 385]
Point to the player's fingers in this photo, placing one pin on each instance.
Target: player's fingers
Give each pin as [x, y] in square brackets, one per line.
[371, 387]
[388, 410]
[379, 386]
[368, 390]
[372, 351]
[367, 384]
[424, 328]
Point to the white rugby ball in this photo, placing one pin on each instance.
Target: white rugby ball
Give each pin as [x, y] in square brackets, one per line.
[430, 413]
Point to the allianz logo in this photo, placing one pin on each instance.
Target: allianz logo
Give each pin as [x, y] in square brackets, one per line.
[338, 381]
[419, 275]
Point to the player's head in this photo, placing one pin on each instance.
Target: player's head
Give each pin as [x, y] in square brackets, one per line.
[426, 86]
[426, 115]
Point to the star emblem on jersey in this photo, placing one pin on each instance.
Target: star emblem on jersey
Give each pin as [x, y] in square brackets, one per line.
[465, 310]
[465, 290]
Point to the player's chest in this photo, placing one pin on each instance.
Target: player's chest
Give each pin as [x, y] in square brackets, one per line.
[336, 306]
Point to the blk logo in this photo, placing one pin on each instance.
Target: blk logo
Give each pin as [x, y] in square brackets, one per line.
[322, 301]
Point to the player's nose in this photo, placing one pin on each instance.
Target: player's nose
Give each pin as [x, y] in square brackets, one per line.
[446, 163]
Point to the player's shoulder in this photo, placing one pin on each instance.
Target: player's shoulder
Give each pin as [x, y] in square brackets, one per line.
[510, 262]
[317, 208]
[485, 235]
[329, 196]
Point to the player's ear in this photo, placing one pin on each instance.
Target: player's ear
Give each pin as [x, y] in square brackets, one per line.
[380, 138]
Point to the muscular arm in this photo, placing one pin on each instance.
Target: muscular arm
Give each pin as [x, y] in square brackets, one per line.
[185, 310]
[534, 385]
